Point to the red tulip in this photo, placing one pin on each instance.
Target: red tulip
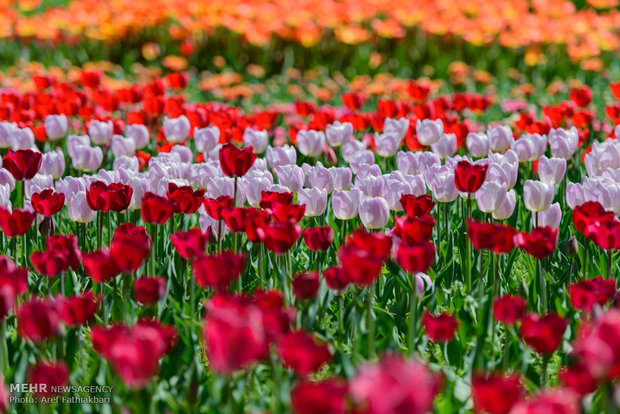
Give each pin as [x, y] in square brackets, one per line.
[336, 278]
[508, 309]
[377, 245]
[237, 218]
[582, 96]
[49, 262]
[22, 164]
[440, 328]
[415, 206]
[587, 293]
[17, 222]
[326, 397]
[318, 239]
[352, 101]
[589, 211]
[497, 238]
[287, 212]
[279, 237]
[99, 265]
[156, 209]
[90, 79]
[540, 242]
[236, 162]
[48, 202]
[38, 320]
[79, 309]
[412, 230]
[306, 285]
[191, 243]
[495, 393]
[134, 352]
[67, 244]
[417, 257]
[604, 233]
[552, 400]
[359, 266]
[129, 248]
[13, 282]
[543, 333]
[468, 177]
[276, 318]
[215, 206]
[149, 290]
[269, 197]
[50, 374]
[578, 378]
[394, 385]
[113, 197]
[186, 200]
[300, 352]
[234, 335]
[218, 270]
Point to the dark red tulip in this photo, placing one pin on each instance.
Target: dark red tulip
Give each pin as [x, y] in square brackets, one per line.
[67, 244]
[318, 239]
[469, 177]
[377, 245]
[254, 221]
[589, 211]
[582, 96]
[359, 266]
[543, 333]
[326, 397]
[22, 164]
[237, 218]
[587, 293]
[300, 352]
[396, 385]
[412, 230]
[51, 374]
[440, 328]
[336, 278]
[13, 282]
[540, 242]
[269, 197]
[215, 206]
[352, 101]
[495, 393]
[306, 286]
[49, 262]
[108, 197]
[233, 334]
[555, 400]
[417, 257]
[277, 319]
[48, 202]
[508, 309]
[17, 222]
[149, 290]
[604, 233]
[186, 199]
[415, 206]
[156, 209]
[287, 212]
[129, 248]
[38, 319]
[90, 79]
[191, 243]
[236, 162]
[218, 270]
[497, 238]
[279, 237]
[134, 352]
[578, 378]
[78, 309]
[99, 265]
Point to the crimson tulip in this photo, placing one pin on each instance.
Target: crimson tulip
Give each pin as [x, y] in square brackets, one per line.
[497, 238]
[468, 177]
[417, 257]
[108, 197]
[156, 209]
[508, 309]
[191, 243]
[49, 376]
[326, 397]
[99, 265]
[38, 319]
[218, 270]
[300, 352]
[543, 333]
[149, 290]
[78, 309]
[236, 162]
[540, 242]
[269, 197]
[415, 206]
[23, 164]
[412, 230]
[587, 293]
[216, 206]
[186, 199]
[279, 237]
[440, 328]
[495, 393]
[306, 286]
[17, 222]
[318, 239]
[48, 202]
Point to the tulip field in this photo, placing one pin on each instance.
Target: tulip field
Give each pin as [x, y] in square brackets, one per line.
[315, 207]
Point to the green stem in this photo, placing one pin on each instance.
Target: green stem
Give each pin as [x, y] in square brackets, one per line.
[543, 286]
[413, 315]
[609, 263]
[468, 248]
[371, 321]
